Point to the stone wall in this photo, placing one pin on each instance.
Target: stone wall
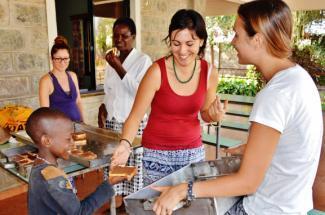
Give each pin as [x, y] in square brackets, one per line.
[91, 104]
[155, 17]
[23, 50]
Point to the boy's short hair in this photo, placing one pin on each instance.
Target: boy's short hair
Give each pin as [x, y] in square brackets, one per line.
[39, 122]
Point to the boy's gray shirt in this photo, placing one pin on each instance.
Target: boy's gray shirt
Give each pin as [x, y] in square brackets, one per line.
[54, 194]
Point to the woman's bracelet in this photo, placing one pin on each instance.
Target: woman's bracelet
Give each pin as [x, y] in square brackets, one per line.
[130, 145]
[126, 140]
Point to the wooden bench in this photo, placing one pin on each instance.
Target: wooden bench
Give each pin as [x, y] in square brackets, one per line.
[235, 125]
[225, 142]
[240, 126]
[238, 112]
[235, 99]
[246, 102]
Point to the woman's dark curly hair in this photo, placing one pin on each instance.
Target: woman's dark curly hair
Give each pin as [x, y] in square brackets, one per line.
[188, 19]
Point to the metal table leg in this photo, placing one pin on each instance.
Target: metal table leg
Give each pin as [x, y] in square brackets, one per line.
[113, 206]
[218, 127]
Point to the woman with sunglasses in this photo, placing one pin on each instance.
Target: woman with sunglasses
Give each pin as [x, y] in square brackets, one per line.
[59, 89]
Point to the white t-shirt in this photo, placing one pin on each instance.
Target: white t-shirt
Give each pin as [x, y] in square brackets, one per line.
[289, 103]
[120, 93]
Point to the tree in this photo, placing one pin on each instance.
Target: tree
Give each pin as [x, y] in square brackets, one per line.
[219, 26]
[303, 19]
[103, 37]
[309, 42]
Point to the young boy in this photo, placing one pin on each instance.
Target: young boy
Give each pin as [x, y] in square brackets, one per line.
[50, 192]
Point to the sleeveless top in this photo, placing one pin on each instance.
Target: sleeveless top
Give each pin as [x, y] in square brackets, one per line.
[64, 102]
[173, 121]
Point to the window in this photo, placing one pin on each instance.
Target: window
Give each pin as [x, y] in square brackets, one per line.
[103, 42]
[81, 22]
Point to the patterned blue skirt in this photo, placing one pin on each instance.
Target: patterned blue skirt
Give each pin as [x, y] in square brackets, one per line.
[159, 163]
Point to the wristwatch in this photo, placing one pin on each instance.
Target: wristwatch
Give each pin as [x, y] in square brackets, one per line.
[190, 196]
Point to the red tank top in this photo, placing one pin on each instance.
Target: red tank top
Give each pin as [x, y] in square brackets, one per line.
[173, 121]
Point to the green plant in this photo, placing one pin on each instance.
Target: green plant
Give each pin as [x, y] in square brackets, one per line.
[238, 85]
[302, 20]
[251, 73]
[309, 43]
[322, 98]
[249, 85]
[311, 58]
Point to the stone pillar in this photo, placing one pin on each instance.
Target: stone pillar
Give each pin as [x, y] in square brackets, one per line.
[23, 50]
[200, 6]
[155, 16]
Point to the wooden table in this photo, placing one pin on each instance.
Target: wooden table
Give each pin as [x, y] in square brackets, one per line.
[10, 185]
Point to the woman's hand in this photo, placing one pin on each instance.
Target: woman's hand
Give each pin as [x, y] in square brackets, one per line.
[217, 110]
[239, 150]
[121, 154]
[169, 198]
[113, 61]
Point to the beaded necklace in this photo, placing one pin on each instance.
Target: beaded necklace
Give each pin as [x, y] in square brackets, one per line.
[178, 79]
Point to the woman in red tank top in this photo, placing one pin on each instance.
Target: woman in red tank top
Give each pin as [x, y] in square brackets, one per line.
[177, 88]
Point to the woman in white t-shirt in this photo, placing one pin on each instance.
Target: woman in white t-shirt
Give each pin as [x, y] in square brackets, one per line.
[281, 156]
